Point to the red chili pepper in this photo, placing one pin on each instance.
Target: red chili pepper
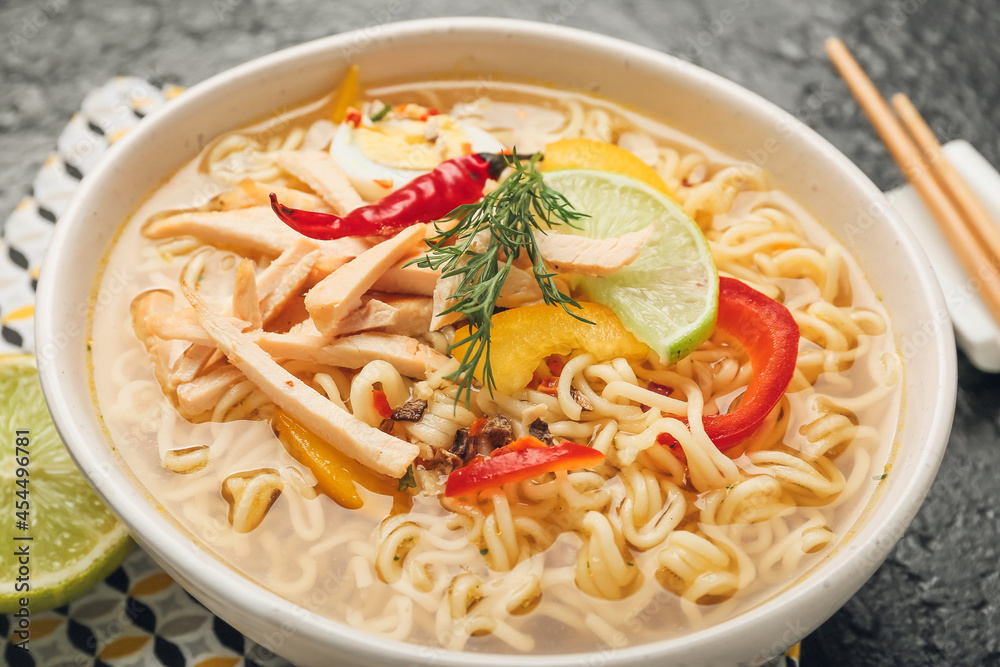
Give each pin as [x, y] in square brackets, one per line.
[770, 335]
[522, 459]
[426, 198]
[382, 404]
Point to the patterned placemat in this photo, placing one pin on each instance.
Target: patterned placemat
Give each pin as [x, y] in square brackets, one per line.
[138, 615]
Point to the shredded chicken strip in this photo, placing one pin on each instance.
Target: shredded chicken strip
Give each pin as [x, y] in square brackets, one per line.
[414, 313]
[369, 446]
[374, 314]
[292, 281]
[190, 364]
[443, 293]
[183, 325]
[569, 253]
[334, 297]
[410, 357]
[249, 192]
[153, 304]
[407, 280]
[254, 230]
[321, 173]
[246, 304]
[201, 394]
[520, 289]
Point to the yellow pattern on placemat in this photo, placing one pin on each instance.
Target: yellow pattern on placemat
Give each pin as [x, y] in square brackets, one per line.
[152, 584]
[40, 627]
[219, 662]
[22, 313]
[122, 647]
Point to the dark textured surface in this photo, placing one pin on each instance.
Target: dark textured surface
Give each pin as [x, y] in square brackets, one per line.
[936, 601]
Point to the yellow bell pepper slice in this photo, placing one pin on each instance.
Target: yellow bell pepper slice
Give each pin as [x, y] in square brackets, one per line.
[346, 96]
[336, 473]
[582, 153]
[521, 337]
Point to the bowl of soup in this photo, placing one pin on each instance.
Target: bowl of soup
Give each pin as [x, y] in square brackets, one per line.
[298, 428]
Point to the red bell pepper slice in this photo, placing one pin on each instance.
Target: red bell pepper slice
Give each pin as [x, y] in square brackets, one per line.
[770, 335]
[382, 406]
[522, 459]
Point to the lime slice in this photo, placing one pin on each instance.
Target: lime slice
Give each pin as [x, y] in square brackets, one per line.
[74, 541]
[668, 297]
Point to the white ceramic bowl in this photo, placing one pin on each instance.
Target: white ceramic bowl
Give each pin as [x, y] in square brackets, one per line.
[689, 98]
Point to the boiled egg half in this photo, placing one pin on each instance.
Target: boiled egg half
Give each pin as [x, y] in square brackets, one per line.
[381, 156]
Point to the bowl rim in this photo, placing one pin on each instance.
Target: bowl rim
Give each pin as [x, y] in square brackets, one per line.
[217, 581]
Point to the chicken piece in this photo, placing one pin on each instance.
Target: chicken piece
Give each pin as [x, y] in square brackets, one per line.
[373, 314]
[191, 362]
[278, 283]
[246, 305]
[334, 297]
[254, 230]
[249, 192]
[337, 252]
[201, 394]
[146, 305]
[275, 273]
[290, 285]
[592, 257]
[369, 446]
[443, 293]
[407, 280]
[183, 325]
[321, 173]
[414, 316]
[520, 289]
[410, 357]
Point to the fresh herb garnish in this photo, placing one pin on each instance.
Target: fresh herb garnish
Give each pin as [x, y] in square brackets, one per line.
[376, 117]
[407, 481]
[521, 205]
[483, 552]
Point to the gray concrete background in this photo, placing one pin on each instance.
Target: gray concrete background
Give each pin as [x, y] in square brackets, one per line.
[936, 601]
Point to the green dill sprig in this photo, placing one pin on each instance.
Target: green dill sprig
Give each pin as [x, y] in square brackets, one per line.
[521, 205]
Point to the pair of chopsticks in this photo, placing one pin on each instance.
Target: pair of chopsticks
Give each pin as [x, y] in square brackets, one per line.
[961, 216]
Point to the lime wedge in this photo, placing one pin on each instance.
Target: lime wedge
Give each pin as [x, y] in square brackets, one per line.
[74, 540]
[668, 297]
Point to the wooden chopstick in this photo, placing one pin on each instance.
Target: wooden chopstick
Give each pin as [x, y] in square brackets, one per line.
[974, 258]
[961, 194]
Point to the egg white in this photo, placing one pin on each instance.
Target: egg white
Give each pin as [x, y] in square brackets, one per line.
[365, 172]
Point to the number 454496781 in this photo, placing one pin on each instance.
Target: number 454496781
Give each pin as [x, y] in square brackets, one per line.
[22, 458]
